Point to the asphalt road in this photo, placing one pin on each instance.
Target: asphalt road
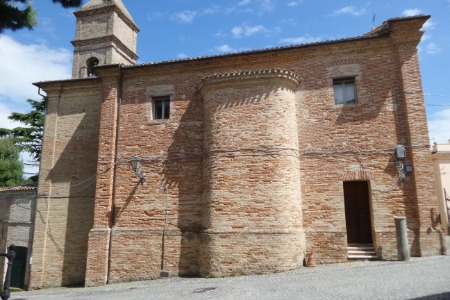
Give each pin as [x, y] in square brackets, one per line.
[419, 278]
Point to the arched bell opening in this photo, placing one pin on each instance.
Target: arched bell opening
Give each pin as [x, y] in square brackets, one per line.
[91, 63]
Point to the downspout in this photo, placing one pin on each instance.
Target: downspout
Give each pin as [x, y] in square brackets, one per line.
[39, 93]
[116, 152]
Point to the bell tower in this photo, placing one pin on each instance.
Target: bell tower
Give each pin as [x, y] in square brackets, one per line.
[105, 34]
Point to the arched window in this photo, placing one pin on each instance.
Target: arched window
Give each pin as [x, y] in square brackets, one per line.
[91, 63]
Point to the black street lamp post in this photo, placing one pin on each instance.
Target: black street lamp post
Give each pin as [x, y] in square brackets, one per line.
[10, 256]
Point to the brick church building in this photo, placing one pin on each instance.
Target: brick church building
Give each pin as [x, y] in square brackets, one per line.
[230, 164]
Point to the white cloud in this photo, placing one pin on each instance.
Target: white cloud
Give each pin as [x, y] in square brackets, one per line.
[210, 11]
[432, 48]
[258, 7]
[186, 16]
[439, 126]
[267, 6]
[22, 64]
[411, 12]
[182, 55]
[300, 40]
[425, 37]
[225, 49]
[350, 10]
[428, 25]
[294, 3]
[237, 31]
[5, 112]
[414, 12]
[219, 35]
[245, 30]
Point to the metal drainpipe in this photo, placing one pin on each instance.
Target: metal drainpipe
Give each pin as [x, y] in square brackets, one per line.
[116, 150]
[35, 200]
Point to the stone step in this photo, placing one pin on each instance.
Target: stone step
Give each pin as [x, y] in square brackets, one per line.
[362, 256]
[372, 252]
[361, 251]
[361, 248]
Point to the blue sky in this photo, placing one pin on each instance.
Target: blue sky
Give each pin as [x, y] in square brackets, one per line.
[174, 29]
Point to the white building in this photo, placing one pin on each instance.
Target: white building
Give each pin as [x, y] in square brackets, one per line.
[441, 160]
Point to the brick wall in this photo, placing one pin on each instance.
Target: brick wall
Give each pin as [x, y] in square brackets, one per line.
[251, 174]
[17, 213]
[248, 171]
[66, 188]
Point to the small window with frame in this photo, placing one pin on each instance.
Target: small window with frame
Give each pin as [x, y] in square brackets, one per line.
[344, 90]
[161, 108]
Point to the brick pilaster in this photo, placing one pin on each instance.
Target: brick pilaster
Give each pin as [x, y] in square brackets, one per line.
[405, 39]
[99, 236]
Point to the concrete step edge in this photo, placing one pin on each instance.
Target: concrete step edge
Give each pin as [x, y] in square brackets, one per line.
[362, 252]
[361, 248]
[362, 256]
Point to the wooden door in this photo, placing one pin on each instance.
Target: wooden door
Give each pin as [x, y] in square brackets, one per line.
[19, 267]
[357, 212]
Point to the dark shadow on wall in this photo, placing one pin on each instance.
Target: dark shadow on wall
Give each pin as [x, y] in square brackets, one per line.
[182, 174]
[408, 185]
[73, 181]
[183, 171]
[120, 209]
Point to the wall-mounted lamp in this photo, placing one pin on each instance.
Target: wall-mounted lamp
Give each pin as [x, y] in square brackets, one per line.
[136, 165]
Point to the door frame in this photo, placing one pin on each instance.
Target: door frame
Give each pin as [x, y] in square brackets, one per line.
[370, 210]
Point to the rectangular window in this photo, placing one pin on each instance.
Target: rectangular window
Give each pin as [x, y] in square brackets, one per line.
[344, 90]
[161, 108]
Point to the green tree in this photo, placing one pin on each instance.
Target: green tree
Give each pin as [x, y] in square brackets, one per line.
[11, 168]
[18, 14]
[28, 137]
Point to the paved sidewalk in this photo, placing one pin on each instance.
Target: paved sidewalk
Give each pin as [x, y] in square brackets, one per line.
[424, 278]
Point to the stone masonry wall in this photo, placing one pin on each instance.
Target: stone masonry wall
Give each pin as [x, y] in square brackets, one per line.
[105, 34]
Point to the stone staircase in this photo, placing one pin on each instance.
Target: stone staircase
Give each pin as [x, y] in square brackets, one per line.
[361, 251]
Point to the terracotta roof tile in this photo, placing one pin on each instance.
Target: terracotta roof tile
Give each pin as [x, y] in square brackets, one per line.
[19, 188]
